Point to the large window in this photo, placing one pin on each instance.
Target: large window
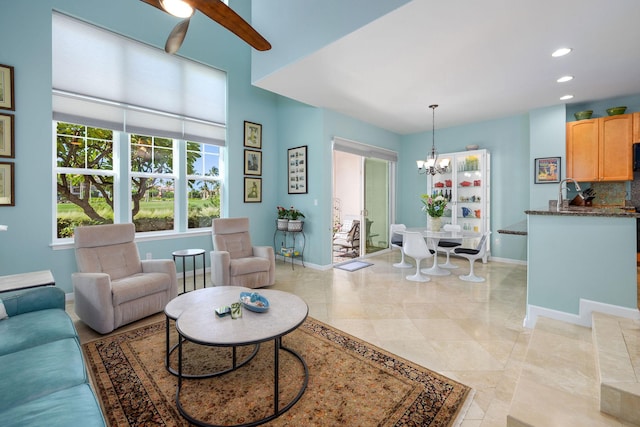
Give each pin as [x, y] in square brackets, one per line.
[138, 132]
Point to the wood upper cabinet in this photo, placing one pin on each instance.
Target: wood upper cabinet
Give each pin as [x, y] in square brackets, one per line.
[636, 127]
[582, 150]
[600, 149]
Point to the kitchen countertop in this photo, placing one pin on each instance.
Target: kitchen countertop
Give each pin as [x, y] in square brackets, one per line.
[587, 211]
[518, 229]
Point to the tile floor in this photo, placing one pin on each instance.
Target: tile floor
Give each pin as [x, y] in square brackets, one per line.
[471, 332]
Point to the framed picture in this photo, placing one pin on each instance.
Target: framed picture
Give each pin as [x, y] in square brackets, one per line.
[252, 190]
[297, 167]
[7, 139]
[252, 162]
[7, 197]
[547, 170]
[6, 88]
[252, 135]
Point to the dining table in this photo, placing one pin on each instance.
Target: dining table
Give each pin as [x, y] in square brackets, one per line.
[434, 238]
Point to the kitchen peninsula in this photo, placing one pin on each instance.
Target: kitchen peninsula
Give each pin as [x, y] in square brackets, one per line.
[581, 259]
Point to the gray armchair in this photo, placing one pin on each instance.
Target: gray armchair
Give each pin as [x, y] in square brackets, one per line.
[113, 286]
[235, 261]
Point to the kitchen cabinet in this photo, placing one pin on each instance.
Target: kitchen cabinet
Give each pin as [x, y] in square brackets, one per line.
[467, 188]
[600, 149]
[636, 127]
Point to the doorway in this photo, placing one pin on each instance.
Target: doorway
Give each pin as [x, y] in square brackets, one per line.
[362, 194]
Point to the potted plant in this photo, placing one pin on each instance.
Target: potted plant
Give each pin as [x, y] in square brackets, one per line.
[295, 223]
[434, 207]
[283, 218]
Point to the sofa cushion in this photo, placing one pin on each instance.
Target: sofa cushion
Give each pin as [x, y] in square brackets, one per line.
[37, 371]
[139, 286]
[248, 265]
[33, 329]
[3, 311]
[71, 407]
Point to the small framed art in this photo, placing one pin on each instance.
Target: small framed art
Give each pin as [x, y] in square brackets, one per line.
[252, 162]
[6, 88]
[252, 135]
[7, 139]
[547, 170]
[7, 173]
[297, 170]
[252, 190]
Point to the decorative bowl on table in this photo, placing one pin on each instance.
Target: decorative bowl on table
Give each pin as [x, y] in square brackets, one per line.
[253, 301]
[614, 111]
[583, 115]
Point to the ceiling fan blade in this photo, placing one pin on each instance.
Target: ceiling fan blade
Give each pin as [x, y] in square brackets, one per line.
[176, 37]
[228, 18]
[154, 3]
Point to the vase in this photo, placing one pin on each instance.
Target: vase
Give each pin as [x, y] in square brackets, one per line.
[295, 225]
[436, 223]
[283, 224]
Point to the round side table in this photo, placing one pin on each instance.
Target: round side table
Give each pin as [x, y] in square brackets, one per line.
[193, 253]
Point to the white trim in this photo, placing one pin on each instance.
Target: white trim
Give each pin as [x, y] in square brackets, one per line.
[584, 318]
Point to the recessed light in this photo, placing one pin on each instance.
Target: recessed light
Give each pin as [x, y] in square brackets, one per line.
[564, 79]
[561, 52]
[565, 97]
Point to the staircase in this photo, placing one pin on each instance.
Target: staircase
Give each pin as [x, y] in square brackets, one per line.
[576, 376]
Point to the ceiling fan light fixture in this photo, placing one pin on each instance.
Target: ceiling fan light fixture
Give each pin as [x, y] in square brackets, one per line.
[179, 8]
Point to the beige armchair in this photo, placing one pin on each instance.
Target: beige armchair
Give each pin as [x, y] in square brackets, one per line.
[234, 261]
[113, 286]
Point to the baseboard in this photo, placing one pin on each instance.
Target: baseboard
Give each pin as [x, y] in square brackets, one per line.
[584, 316]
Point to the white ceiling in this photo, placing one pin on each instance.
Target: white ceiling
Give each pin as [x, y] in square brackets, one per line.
[479, 60]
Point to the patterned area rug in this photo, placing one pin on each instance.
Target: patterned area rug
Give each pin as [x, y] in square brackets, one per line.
[351, 382]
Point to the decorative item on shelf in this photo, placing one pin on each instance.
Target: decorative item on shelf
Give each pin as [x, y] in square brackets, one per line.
[583, 115]
[614, 111]
[295, 224]
[283, 218]
[472, 147]
[431, 165]
[434, 207]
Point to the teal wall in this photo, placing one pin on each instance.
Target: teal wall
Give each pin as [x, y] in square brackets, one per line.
[576, 257]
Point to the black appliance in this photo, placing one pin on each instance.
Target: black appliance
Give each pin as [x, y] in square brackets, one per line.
[636, 156]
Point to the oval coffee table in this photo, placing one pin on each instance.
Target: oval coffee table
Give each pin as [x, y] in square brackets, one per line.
[200, 325]
[207, 297]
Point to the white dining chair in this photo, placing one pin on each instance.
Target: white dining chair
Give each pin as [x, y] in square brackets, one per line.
[415, 247]
[472, 255]
[397, 238]
[447, 246]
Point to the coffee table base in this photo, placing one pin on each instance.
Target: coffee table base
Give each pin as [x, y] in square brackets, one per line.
[276, 369]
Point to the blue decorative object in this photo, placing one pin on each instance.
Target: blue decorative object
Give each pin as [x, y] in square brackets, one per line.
[253, 301]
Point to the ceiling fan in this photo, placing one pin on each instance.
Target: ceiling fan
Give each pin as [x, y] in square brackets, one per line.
[215, 10]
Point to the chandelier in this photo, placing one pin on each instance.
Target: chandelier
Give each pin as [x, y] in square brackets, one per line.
[431, 165]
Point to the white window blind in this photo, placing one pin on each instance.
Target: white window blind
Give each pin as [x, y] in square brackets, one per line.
[364, 150]
[103, 79]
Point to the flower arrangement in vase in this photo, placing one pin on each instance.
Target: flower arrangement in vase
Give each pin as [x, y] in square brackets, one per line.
[295, 223]
[434, 206]
[283, 218]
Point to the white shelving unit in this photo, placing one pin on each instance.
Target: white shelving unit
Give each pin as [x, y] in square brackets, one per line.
[467, 186]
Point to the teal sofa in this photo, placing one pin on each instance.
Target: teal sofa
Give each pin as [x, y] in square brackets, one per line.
[43, 380]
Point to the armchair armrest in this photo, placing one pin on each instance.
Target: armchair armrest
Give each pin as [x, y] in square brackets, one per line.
[165, 266]
[33, 300]
[220, 261]
[268, 253]
[93, 300]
